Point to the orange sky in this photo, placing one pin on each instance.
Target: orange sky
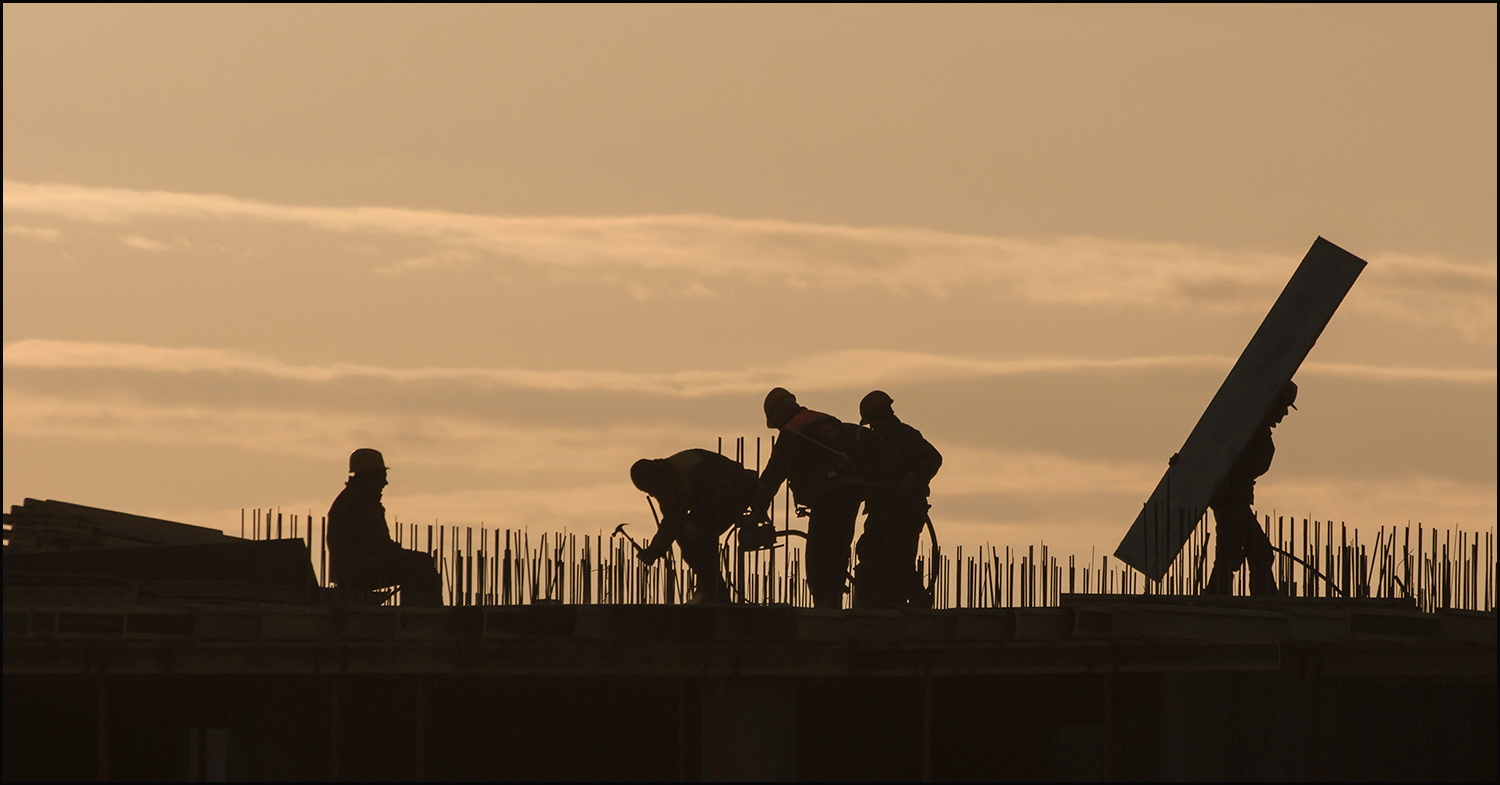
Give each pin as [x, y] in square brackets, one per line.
[517, 248]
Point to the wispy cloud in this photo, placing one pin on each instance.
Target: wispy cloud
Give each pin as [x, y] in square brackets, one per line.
[445, 257]
[1382, 373]
[831, 371]
[515, 452]
[681, 252]
[575, 477]
[525, 464]
[978, 471]
[143, 243]
[43, 233]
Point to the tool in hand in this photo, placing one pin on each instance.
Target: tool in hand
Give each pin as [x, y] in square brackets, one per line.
[621, 531]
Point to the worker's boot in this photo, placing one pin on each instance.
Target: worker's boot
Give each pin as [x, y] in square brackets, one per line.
[1263, 580]
[917, 594]
[1220, 582]
[828, 599]
[871, 591]
[710, 593]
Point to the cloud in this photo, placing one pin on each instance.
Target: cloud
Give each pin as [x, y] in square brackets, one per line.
[537, 477]
[976, 471]
[143, 243]
[41, 233]
[680, 253]
[1429, 290]
[840, 370]
[446, 257]
[534, 454]
[546, 477]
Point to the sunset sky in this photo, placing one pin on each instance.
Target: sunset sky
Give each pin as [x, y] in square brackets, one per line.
[517, 248]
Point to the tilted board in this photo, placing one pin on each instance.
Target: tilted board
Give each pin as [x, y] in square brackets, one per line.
[1268, 362]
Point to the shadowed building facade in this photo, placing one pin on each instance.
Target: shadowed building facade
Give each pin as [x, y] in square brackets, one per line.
[1102, 688]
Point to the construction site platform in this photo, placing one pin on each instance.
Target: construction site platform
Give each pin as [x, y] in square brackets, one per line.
[1089, 634]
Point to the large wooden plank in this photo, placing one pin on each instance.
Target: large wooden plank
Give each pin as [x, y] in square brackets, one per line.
[1272, 357]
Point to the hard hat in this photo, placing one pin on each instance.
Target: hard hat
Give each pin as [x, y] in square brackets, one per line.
[778, 401]
[1289, 394]
[640, 474]
[366, 460]
[873, 404]
[647, 475]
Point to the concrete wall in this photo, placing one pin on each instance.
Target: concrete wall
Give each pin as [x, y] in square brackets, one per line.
[1291, 724]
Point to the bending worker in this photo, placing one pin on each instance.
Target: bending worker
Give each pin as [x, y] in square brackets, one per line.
[361, 553]
[702, 494]
[813, 454]
[886, 576]
[1240, 538]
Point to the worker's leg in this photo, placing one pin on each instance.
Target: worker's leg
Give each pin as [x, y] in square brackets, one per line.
[700, 549]
[909, 580]
[886, 573]
[1232, 517]
[418, 578]
[1261, 558]
[830, 530]
[877, 585]
[412, 571]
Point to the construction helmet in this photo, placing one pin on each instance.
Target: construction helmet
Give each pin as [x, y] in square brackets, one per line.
[780, 406]
[366, 460]
[872, 405]
[1288, 394]
[650, 475]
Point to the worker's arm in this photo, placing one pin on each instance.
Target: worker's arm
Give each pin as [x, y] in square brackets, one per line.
[1256, 459]
[778, 466]
[1252, 462]
[924, 461]
[673, 520]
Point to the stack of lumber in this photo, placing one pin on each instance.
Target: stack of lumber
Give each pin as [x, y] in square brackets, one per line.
[59, 526]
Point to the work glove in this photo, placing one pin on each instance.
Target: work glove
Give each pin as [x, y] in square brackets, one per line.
[756, 538]
[654, 551]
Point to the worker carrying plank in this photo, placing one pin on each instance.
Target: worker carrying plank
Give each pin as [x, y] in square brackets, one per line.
[819, 457]
[1218, 462]
[1239, 537]
[361, 553]
[886, 576]
[702, 494]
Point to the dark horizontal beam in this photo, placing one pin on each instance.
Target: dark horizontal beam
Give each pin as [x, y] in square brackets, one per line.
[1098, 637]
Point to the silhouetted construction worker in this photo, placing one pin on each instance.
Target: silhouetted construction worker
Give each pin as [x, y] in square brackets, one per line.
[814, 454]
[1240, 538]
[886, 576]
[702, 494]
[361, 553]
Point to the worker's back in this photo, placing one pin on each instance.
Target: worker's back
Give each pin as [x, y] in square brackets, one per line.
[357, 535]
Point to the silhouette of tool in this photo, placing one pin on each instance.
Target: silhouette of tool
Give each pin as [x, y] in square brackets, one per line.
[620, 530]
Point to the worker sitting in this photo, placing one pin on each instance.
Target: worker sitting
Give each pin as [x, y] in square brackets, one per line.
[361, 554]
